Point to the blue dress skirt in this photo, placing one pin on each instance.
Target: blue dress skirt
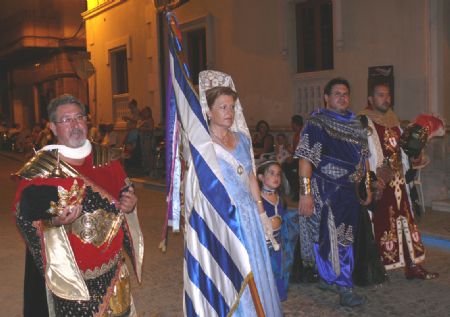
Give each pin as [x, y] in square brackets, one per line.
[235, 173]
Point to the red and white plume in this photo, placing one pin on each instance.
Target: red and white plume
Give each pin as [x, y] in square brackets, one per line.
[434, 125]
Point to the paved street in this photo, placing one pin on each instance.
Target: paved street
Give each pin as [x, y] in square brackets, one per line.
[160, 294]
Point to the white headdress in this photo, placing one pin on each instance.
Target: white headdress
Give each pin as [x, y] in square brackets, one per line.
[209, 79]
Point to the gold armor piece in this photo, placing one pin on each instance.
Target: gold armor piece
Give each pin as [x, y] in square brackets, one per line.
[120, 301]
[102, 155]
[97, 227]
[43, 164]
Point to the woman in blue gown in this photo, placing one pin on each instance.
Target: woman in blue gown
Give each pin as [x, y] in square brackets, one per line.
[234, 154]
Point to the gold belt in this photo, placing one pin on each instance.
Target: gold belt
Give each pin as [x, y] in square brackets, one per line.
[97, 227]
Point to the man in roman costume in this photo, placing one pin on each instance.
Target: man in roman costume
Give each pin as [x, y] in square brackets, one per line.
[76, 210]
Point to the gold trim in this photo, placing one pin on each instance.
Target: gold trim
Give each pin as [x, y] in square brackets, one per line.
[98, 271]
[120, 301]
[137, 240]
[43, 164]
[62, 275]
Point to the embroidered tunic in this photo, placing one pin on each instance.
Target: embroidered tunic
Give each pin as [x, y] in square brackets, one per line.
[393, 217]
[82, 262]
[336, 146]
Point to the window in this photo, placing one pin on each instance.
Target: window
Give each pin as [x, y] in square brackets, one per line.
[314, 25]
[119, 71]
[196, 52]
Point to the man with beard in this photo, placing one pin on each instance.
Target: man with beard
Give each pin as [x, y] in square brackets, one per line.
[76, 210]
[333, 151]
[396, 233]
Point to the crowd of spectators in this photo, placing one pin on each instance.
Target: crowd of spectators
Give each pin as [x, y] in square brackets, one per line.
[138, 143]
[281, 148]
[14, 137]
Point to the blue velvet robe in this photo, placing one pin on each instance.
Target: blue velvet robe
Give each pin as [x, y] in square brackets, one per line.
[336, 146]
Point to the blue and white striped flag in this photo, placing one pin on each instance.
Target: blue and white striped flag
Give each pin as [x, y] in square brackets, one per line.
[216, 262]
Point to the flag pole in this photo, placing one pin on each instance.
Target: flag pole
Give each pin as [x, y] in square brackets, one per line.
[256, 299]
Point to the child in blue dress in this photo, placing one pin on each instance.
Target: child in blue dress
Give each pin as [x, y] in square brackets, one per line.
[269, 176]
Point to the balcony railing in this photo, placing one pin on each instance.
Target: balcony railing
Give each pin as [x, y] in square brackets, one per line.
[309, 94]
[120, 109]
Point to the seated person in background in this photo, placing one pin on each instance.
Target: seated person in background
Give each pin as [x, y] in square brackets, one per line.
[134, 115]
[103, 137]
[17, 136]
[45, 136]
[146, 125]
[35, 132]
[132, 147]
[283, 149]
[22, 140]
[114, 137]
[262, 140]
[93, 131]
[107, 136]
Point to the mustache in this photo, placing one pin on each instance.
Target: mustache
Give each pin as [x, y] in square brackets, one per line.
[76, 132]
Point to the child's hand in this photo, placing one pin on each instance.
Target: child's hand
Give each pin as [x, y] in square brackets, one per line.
[268, 230]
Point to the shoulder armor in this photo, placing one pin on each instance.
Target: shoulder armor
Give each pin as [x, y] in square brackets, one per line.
[102, 155]
[44, 164]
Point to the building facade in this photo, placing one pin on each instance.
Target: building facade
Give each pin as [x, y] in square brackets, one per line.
[280, 54]
[42, 53]
[122, 40]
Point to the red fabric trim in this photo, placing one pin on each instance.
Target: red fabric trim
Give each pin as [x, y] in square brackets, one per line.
[111, 178]
[89, 257]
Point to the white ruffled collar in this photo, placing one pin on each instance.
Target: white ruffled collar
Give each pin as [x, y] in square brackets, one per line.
[72, 153]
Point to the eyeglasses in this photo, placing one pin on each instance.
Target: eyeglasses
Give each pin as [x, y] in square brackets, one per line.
[77, 119]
